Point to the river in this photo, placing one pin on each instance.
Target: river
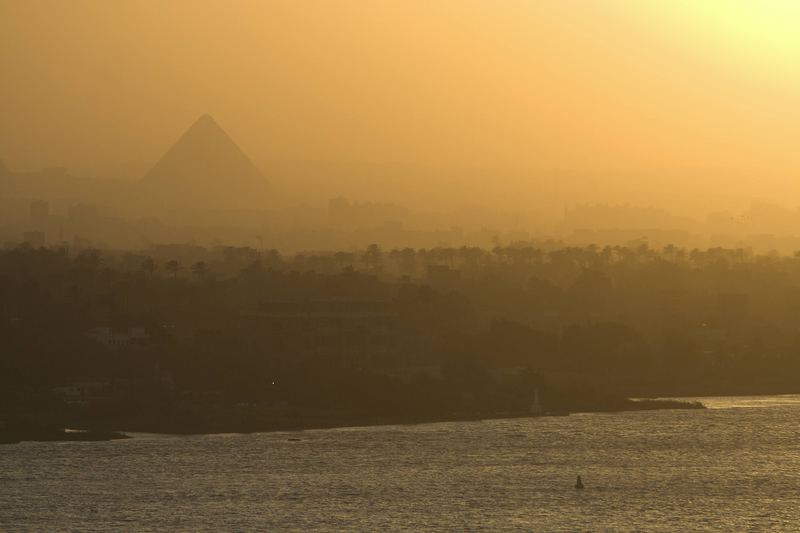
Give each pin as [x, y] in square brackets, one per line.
[734, 466]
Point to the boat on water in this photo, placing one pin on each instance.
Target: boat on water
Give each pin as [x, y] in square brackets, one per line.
[536, 408]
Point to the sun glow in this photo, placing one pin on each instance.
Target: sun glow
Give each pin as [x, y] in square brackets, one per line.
[763, 31]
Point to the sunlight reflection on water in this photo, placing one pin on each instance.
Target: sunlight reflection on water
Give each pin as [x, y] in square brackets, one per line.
[727, 468]
[746, 402]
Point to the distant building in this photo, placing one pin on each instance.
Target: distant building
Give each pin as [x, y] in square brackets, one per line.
[80, 243]
[733, 308]
[40, 214]
[344, 214]
[34, 238]
[119, 339]
[183, 253]
[84, 213]
[84, 392]
[442, 276]
[615, 217]
[408, 374]
[508, 374]
[355, 333]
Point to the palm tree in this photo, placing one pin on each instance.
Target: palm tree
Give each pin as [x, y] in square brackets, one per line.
[89, 259]
[200, 269]
[344, 259]
[148, 266]
[471, 256]
[272, 259]
[373, 258]
[173, 267]
[408, 261]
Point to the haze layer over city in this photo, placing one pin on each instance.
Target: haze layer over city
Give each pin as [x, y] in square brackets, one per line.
[538, 119]
[306, 265]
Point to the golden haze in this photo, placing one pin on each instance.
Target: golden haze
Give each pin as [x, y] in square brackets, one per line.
[672, 103]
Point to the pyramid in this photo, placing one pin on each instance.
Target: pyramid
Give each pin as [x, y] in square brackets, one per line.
[206, 169]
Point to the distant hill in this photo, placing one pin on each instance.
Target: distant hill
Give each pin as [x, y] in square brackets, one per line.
[205, 169]
[56, 184]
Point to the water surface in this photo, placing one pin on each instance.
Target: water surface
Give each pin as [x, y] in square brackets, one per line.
[732, 467]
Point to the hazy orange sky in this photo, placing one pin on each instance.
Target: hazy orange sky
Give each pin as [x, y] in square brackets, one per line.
[629, 88]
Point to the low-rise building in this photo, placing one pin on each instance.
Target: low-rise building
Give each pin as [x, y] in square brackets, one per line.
[442, 276]
[117, 339]
[358, 333]
[84, 392]
[35, 239]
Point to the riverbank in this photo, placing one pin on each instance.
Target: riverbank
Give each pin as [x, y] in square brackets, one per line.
[15, 436]
[259, 419]
[253, 419]
[638, 468]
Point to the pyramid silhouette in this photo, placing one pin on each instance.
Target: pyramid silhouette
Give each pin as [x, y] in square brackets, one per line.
[206, 169]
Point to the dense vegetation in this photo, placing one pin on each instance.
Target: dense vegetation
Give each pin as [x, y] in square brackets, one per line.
[474, 330]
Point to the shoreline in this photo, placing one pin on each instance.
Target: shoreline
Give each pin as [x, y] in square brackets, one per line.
[87, 430]
[47, 435]
[303, 423]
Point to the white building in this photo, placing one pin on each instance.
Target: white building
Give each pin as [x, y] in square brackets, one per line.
[115, 339]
